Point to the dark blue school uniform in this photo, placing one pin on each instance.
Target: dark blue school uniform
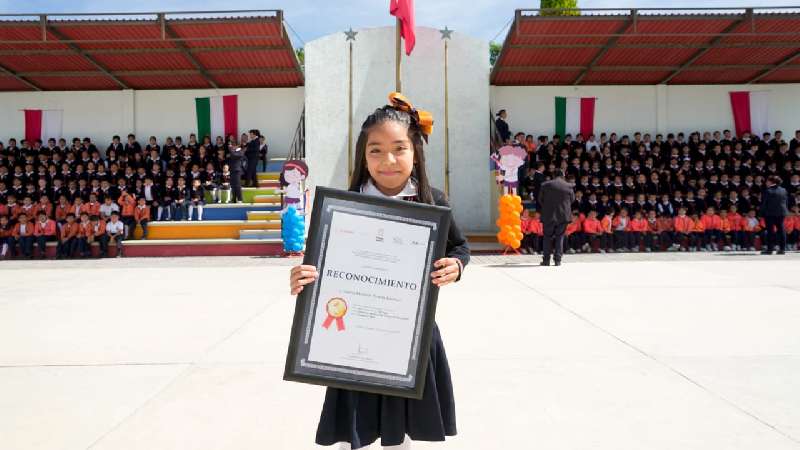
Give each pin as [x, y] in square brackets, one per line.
[360, 418]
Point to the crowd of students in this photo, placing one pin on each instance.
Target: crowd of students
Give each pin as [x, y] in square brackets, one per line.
[696, 192]
[78, 194]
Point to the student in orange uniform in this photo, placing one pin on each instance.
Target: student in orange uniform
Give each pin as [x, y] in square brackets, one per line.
[751, 227]
[44, 206]
[711, 233]
[698, 234]
[92, 207]
[725, 231]
[684, 225]
[666, 233]
[791, 224]
[29, 208]
[607, 239]
[68, 239]
[61, 210]
[537, 227]
[77, 208]
[142, 216]
[573, 241]
[84, 231]
[637, 228]
[14, 208]
[593, 232]
[735, 220]
[527, 232]
[6, 236]
[98, 234]
[651, 242]
[44, 231]
[127, 205]
[23, 236]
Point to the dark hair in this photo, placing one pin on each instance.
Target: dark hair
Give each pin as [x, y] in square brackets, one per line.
[500, 112]
[418, 173]
[774, 179]
[557, 173]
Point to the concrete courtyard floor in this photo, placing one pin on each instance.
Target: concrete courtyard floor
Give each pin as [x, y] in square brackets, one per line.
[612, 352]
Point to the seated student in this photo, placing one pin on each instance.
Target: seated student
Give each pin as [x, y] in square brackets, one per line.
[142, 216]
[84, 231]
[726, 234]
[751, 227]
[697, 241]
[181, 200]
[62, 209]
[711, 235]
[98, 234]
[127, 204]
[28, 207]
[6, 237]
[527, 232]
[790, 224]
[211, 182]
[197, 198]
[14, 208]
[621, 231]
[68, 240]
[225, 184]
[735, 220]
[538, 231]
[684, 226]
[665, 230]
[106, 208]
[637, 229]
[23, 236]
[166, 208]
[607, 239]
[652, 234]
[593, 232]
[44, 230]
[573, 239]
[44, 206]
[92, 206]
[115, 230]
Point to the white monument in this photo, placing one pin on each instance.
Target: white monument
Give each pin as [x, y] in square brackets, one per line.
[327, 69]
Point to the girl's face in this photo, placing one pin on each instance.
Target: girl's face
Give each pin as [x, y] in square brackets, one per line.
[390, 156]
[293, 176]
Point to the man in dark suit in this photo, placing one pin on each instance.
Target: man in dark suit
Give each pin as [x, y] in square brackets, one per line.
[251, 153]
[774, 209]
[555, 200]
[235, 164]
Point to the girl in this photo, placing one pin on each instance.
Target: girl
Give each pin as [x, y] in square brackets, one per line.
[390, 162]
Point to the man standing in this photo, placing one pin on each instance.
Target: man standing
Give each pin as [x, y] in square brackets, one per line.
[263, 149]
[774, 209]
[235, 164]
[251, 153]
[555, 200]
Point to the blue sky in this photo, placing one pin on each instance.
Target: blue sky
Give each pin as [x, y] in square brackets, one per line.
[314, 18]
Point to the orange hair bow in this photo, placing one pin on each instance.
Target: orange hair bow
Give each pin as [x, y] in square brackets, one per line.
[424, 119]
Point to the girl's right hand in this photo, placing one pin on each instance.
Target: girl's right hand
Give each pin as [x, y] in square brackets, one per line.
[300, 276]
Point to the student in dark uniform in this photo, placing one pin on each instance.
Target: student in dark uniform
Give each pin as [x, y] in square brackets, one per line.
[251, 153]
[360, 418]
[235, 165]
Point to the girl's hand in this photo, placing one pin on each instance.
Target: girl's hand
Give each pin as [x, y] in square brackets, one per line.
[449, 269]
[301, 276]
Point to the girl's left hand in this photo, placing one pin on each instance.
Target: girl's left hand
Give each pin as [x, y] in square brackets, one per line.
[447, 273]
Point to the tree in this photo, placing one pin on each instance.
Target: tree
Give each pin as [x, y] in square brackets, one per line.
[494, 52]
[301, 56]
[559, 4]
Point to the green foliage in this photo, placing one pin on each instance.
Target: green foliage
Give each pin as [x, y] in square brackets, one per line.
[301, 56]
[494, 51]
[559, 4]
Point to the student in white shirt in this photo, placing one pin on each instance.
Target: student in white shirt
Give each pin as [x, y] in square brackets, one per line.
[115, 230]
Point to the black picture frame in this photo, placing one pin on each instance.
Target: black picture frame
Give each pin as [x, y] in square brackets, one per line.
[298, 367]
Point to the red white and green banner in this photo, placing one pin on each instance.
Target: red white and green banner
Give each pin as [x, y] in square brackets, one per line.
[217, 116]
[750, 112]
[575, 115]
[43, 124]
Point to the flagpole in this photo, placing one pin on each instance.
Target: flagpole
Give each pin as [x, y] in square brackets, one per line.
[446, 126]
[398, 56]
[351, 36]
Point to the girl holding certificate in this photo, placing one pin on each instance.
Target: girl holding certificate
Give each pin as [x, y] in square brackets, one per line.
[390, 162]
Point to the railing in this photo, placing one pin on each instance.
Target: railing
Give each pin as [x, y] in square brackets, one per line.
[298, 148]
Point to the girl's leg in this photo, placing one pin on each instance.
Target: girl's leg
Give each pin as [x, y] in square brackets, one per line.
[199, 210]
[191, 211]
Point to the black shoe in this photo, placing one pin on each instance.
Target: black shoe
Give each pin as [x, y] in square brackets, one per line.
[546, 262]
[558, 262]
[766, 252]
[781, 252]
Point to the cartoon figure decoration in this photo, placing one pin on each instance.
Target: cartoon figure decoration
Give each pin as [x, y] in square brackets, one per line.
[509, 222]
[293, 230]
[292, 180]
[509, 159]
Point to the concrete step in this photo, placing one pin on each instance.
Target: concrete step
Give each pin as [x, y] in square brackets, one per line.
[260, 234]
[263, 215]
[267, 200]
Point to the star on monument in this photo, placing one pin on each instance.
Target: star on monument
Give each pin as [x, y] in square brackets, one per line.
[351, 35]
[446, 33]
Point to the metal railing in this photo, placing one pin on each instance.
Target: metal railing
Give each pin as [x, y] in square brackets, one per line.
[298, 148]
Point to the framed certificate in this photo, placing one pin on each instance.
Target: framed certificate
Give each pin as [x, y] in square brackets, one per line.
[365, 324]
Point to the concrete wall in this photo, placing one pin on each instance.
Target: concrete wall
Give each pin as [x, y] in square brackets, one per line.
[423, 83]
[162, 113]
[660, 108]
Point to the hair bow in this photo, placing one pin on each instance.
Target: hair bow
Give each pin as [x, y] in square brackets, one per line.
[423, 119]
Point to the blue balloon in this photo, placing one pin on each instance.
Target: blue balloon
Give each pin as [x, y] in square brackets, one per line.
[293, 229]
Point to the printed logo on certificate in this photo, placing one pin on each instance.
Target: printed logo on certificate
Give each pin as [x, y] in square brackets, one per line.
[366, 322]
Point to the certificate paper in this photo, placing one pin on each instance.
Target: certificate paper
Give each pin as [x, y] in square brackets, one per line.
[366, 322]
[375, 267]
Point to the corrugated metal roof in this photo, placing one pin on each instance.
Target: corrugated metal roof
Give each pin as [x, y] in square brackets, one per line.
[12, 84]
[141, 45]
[790, 75]
[653, 39]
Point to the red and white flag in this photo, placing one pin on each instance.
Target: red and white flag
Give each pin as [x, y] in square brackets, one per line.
[43, 124]
[750, 112]
[404, 11]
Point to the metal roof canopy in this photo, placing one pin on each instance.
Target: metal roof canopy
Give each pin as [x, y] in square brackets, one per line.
[146, 50]
[645, 46]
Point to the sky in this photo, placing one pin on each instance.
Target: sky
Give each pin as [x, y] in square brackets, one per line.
[310, 19]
